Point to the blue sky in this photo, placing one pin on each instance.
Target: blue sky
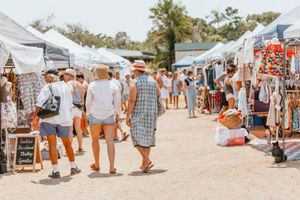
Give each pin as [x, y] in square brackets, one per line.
[132, 16]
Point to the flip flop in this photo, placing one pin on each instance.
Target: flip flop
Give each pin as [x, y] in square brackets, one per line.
[125, 137]
[93, 167]
[148, 167]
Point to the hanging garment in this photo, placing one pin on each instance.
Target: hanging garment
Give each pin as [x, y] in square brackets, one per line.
[295, 66]
[29, 87]
[272, 61]
[295, 120]
[8, 109]
[287, 114]
[218, 69]
[265, 92]
[274, 110]
[242, 102]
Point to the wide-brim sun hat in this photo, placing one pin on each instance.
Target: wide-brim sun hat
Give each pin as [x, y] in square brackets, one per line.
[70, 72]
[101, 72]
[139, 65]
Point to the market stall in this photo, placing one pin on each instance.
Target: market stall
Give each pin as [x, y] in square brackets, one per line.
[80, 56]
[16, 33]
[21, 82]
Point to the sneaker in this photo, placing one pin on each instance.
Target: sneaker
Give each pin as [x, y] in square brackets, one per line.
[75, 171]
[54, 175]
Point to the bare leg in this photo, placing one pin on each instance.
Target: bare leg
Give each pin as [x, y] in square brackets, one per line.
[144, 154]
[85, 131]
[52, 149]
[185, 99]
[115, 132]
[170, 97]
[177, 100]
[77, 124]
[69, 149]
[95, 131]
[108, 131]
[231, 103]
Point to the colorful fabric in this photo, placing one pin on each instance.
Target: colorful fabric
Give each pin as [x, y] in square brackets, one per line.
[272, 61]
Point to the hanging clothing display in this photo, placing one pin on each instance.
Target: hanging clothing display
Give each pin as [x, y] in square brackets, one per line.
[29, 87]
[242, 102]
[295, 65]
[274, 110]
[273, 60]
[265, 91]
[8, 108]
[210, 78]
[218, 69]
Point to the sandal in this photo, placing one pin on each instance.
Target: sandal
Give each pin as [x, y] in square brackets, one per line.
[94, 167]
[148, 167]
[125, 137]
[113, 171]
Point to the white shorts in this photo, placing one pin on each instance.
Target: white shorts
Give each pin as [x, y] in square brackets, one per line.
[229, 96]
[164, 93]
[76, 112]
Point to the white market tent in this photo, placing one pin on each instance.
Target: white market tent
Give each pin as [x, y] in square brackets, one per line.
[114, 58]
[49, 63]
[13, 31]
[202, 58]
[25, 59]
[239, 43]
[248, 52]
[80, 56]
[219, 53]
[293, 31]
[278, 26]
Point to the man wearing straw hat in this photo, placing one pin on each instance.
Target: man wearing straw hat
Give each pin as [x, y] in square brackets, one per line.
[142, 113]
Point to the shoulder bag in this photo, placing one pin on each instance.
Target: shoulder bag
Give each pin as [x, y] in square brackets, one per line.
[50, 107]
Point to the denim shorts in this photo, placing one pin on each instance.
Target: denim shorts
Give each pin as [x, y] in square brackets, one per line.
[54, 129]
[108, 121]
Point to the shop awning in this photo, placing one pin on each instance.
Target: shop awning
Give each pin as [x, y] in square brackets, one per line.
[278, 26]
[292, 32]
[25, 59]
[80, 56]
[185, 62]
[201, 60]
[11, 30]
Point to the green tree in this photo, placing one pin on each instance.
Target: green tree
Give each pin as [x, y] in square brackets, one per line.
[264, 18]
[171, 24]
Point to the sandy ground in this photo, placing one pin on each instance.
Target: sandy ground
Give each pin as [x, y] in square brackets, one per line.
[188, 165]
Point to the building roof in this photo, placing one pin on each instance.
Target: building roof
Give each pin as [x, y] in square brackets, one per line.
[198, 46]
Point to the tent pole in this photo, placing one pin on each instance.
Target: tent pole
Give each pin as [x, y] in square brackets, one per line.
[284, 95]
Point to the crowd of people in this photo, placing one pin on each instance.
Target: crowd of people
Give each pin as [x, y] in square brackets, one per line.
[94, 110]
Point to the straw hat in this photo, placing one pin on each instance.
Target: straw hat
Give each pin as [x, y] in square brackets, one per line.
[139, 65]
[100, 72]
[70, 72]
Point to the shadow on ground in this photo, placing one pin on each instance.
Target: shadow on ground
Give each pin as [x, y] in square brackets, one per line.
[99, 175]
[287, 164]
[152, 172]
[49, 181]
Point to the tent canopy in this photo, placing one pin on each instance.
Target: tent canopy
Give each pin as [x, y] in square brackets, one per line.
[79, 55]
[112, 56]
[293, 31]
[25, 59]
[218, 54]
[202, 58]
[239, 43]
[278, 26]
[185, 62]
[11, 30]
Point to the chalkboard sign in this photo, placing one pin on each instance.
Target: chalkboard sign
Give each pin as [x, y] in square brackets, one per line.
[25, 152]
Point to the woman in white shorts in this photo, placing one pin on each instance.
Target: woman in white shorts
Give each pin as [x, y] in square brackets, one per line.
[103, 104]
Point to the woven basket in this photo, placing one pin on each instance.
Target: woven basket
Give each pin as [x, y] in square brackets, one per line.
[232, 121]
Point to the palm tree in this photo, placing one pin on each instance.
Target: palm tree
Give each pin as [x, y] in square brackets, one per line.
[171, 25]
